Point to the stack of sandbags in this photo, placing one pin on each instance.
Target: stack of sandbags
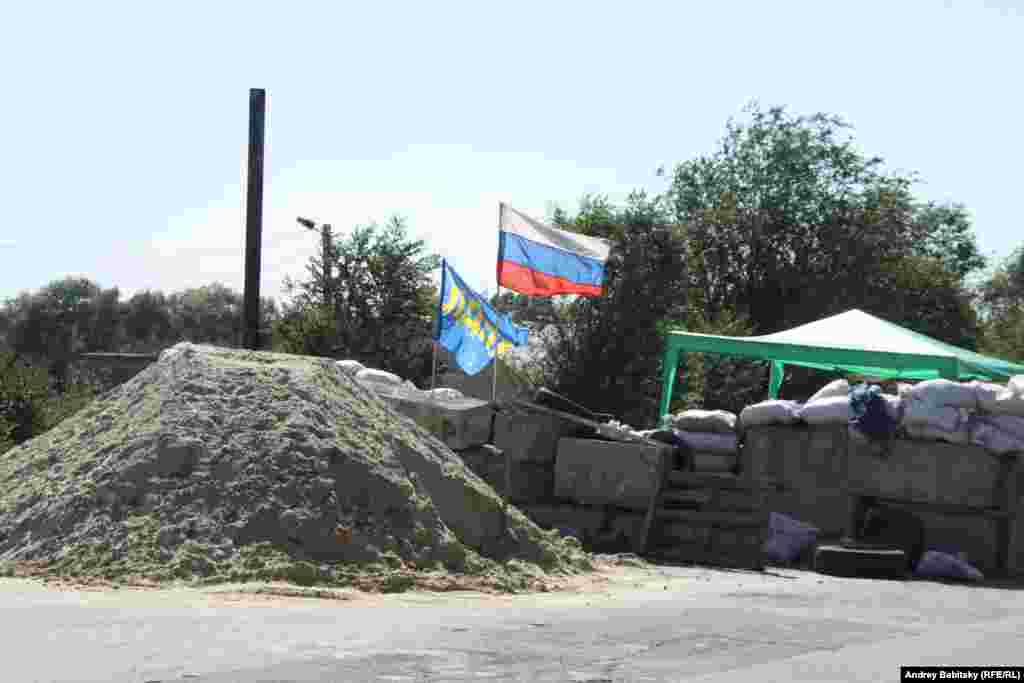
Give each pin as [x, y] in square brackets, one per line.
[710, 436]
[836, 389]
[999, 424]
[774, 412]
[939, 410]
[994, 399]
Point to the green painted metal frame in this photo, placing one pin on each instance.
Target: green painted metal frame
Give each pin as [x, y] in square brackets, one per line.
[886, 363]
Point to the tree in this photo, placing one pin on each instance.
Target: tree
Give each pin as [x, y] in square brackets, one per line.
[606, 353]
[1001, 300]
[789, 222]
[384, 302]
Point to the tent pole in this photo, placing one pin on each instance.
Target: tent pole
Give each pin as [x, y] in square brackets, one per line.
[777, 373]
[670, 365]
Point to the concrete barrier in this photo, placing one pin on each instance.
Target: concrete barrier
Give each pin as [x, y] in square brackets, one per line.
[608, 473]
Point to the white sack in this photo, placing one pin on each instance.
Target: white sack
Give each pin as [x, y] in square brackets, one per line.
[1006, 403]
[835, 410]
[1016, 385]
[769, 413]
[445, 394]
[904, 390]
[351, 367]
[946, 418]
[1011, 424]
[726, 444]
[929, 432]
[378, 377]
[943, 392]
[712, 421]
[986, 393]
[993, 439]
[840, 387]
[893, 406]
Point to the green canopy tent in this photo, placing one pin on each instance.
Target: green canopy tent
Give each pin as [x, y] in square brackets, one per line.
[853, 342]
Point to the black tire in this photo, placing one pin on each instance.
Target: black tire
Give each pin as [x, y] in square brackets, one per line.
[895, 528]
[864, 562]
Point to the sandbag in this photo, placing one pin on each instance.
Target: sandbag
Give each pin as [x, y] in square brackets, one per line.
[1011, 424]
[378, 377]
[947, 418]
[769, 413]
[1006, 403]
[709, 443]
[995, 440]
[840, 387]
[445, 394]
[930, 432]
[986, 393]
[893, 406]
[943, 392]
[788, 538]
[351, 367]
[834, 410]
[938, 565]
[712, 421]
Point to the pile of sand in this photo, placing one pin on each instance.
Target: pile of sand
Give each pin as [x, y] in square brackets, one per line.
[231, 465]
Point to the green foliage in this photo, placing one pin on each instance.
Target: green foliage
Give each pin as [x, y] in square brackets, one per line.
[23, 393]
[605, 352]
[1001, 302]
[789, 222]
[383, 302]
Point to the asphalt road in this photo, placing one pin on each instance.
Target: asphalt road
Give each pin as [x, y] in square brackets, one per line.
[679, 625]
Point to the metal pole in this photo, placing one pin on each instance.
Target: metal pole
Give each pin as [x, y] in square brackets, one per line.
[433, 373]
[494, 383]
[254, 217]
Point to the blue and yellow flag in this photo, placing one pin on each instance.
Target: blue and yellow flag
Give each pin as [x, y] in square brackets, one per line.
[468, 326]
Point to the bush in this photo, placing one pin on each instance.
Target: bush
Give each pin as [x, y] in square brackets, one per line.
[30, 404]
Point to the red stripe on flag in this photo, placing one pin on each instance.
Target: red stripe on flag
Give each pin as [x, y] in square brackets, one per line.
[532, 283]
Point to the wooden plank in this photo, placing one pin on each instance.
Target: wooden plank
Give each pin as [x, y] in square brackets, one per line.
[641, 543]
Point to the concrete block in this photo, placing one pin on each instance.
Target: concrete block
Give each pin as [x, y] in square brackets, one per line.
[928, 471]
[488, 463]
[681, 533]
[713, 462]
[829, 511]
[608, 473]
[530, 436]
[463, 424]
[531, 482]
[975, 535]
[773, 451]
[585, 520]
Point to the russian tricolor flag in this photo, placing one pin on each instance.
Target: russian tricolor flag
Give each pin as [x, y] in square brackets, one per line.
[538, 260]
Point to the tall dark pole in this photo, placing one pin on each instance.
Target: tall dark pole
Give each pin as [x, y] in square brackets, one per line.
[254, 217]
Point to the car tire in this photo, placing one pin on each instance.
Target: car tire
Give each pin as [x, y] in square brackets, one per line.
[862, 562]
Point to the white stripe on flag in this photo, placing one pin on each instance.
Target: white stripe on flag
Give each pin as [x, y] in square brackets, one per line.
[520, 224]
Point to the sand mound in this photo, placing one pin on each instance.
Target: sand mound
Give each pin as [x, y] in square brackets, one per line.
[224, 464]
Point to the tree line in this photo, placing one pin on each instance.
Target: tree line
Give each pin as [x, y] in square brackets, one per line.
[786, 221]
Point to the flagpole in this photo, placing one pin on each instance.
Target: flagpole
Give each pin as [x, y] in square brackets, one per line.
[494, 384]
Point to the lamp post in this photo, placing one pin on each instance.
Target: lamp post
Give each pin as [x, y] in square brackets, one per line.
[326, 248]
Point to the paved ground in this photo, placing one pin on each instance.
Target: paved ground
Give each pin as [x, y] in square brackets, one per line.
[672, 625]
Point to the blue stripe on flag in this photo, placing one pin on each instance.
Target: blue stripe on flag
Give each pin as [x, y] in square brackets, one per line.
[550, 261]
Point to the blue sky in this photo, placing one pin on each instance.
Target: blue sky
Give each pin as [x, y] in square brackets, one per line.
[124, 124]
